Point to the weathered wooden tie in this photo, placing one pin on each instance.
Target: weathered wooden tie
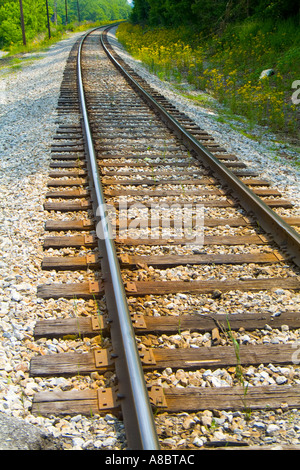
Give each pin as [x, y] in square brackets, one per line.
[141, 288]
[207, 240]
[84, 290]
[160, 358]
[89, 241]
[175, 260]
[94, 325]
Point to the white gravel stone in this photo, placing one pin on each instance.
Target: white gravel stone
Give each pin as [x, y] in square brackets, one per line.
[198, 442]
[272, 428]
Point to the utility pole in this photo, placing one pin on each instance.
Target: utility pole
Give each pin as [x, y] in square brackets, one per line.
[48, 22]
[22, 23]
[55, 12]
[66, 5]
[78, 11]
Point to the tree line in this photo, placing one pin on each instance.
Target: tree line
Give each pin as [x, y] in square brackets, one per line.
[89, 10]
[61, 12]
[209, 13]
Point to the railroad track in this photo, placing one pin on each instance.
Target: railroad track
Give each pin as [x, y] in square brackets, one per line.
[194, 233]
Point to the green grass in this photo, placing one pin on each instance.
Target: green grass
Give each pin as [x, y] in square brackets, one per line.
[201, 99]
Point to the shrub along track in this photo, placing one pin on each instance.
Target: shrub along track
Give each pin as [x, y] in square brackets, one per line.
[248, 251]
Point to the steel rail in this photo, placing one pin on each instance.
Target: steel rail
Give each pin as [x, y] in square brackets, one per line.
[282, 233]
[132, 391]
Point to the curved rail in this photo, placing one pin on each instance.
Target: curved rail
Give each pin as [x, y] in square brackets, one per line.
[283, 234]
[133, 395]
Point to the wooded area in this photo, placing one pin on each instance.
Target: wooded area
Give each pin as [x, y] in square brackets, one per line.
[61, 12]
[207, 13]
[90, 10]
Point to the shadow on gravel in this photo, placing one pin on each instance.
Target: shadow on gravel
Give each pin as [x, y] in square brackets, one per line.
[15, 434]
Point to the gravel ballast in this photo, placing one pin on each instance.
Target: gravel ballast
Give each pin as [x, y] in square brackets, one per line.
[28, 100]
[27, 124]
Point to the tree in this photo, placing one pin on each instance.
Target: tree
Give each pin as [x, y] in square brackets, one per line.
[207, 14]
[35, 20]
[140, 12]
[35, 15]
[92, 10]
